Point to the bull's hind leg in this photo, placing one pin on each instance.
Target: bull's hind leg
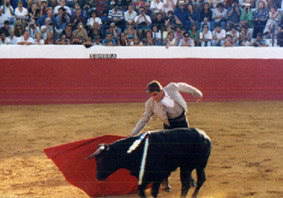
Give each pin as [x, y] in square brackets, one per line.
[200, 180]
[186, 178]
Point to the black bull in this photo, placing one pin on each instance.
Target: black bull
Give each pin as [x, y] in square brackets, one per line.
[187, 148]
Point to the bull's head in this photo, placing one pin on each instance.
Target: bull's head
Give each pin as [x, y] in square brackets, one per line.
[105, 161]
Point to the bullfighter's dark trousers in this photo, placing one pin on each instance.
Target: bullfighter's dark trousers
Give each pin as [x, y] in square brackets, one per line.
[178, 122]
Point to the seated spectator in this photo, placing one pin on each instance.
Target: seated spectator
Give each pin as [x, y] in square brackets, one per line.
[171, 40]
[78, 17]
[123, 41]
[246, 17]
[114, 30]
[8, 11]
[95, 32]
[172, 20]
[63, 40]
[68, 32]
[156, 6]
[80, 34]
[272, 24]
[38, 40]
[25, 39]
[206, 12]
[233, 14]
[12, 39]
[194, 15]
[187, 41]
[3, 39]
[218, 36]
[228, 42]
[130, 14]
[61, 21]
[109, 40]
[260, 18]
[6, 29]
[169, 5]
[143, 21]
[33, 29]
[49, 14]
[139, 4]
[159, 21]
[21, 12]
[182, 15]
[205, 22]
[93, 19]
[157, 36]
[235, 35]
[245, 36]
[18, 30]
[219, 16]
[62, 4]
[194, 34]
[259, 41]
[148, 40]
[280, 37]
[138, 42]
[49, 39]
[3, 18]
[47, 27]
[34, 12]
[43, 7]
[205, 36]
[116, 16]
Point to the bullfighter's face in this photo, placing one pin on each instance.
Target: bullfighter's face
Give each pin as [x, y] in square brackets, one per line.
[157, 96]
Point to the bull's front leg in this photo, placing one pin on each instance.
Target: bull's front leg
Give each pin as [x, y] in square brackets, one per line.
[141, 189]
[155, 189]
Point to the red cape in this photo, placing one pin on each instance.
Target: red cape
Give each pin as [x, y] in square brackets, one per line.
[71, 160]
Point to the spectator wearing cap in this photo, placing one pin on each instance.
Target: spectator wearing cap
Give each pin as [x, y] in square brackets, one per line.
[130, 14]
[205, 36]
[260, 17]
[25, 39]
[62, 4]
[187, 41]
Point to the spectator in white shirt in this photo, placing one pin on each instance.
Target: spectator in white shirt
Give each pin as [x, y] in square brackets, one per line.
[25, 39]
[62, 3]
[218, 36]
[93, 19]
[130, 14]
[157, 6]
[205, 36]
[169, 5]
[8, 10]
[21, 12]
[143, 21]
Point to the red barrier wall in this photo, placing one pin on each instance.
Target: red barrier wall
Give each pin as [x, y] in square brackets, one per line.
[41, 81]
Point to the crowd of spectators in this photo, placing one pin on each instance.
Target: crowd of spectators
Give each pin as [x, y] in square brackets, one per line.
[142, 22]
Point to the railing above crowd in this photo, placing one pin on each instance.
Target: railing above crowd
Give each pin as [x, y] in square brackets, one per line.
[203, 23]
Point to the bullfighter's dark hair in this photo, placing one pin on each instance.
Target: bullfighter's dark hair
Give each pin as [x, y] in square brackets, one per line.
[154, 86]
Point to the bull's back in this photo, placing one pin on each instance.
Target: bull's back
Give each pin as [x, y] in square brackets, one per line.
[182, 146]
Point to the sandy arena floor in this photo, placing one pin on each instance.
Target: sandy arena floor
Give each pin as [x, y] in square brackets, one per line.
[246, 161]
